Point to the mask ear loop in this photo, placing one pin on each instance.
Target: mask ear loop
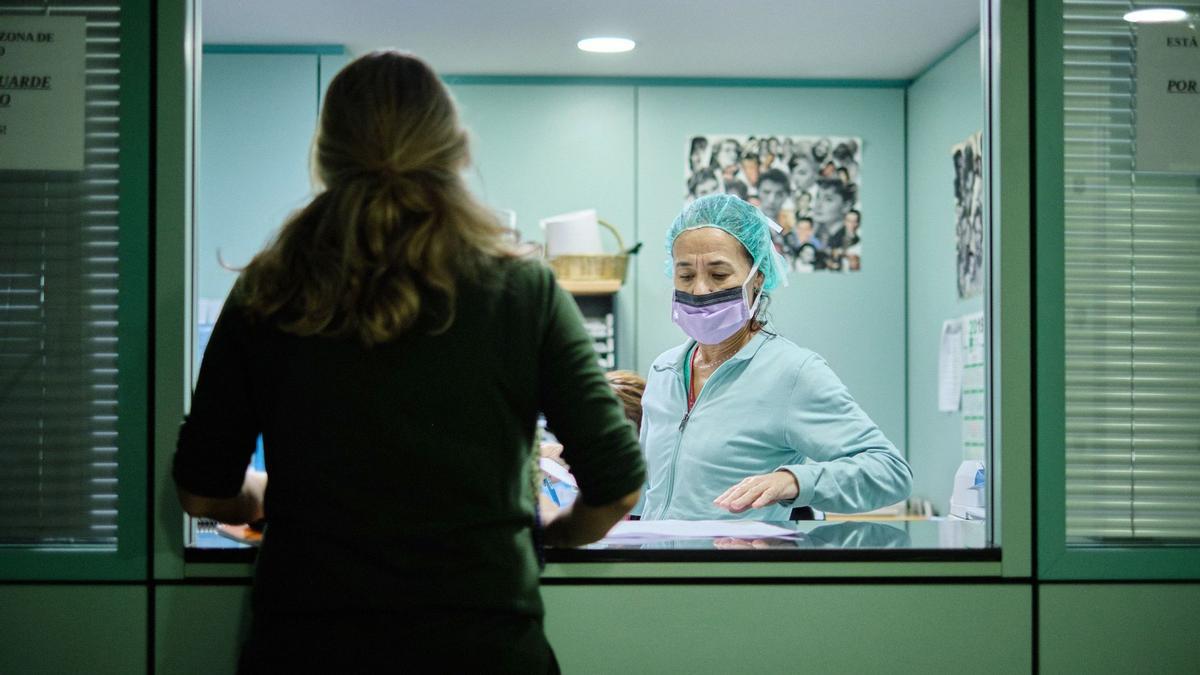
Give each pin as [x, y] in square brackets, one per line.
[746, 290]
[776, 259]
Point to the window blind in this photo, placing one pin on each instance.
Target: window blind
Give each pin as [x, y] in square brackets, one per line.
[58, 319]
[1132, 278]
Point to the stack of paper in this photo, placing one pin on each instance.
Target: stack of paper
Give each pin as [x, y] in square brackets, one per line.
[640, 531]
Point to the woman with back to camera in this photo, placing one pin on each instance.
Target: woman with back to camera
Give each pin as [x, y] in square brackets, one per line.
[739, 421]
[394, 354]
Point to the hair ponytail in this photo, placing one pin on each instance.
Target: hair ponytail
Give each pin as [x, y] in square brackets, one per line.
[395, 230]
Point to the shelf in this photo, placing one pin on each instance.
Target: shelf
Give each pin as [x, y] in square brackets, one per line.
[603, 287]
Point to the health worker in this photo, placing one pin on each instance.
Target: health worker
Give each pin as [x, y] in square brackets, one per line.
[739, 421]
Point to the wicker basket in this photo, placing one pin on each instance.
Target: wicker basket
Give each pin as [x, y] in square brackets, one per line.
[606, 267]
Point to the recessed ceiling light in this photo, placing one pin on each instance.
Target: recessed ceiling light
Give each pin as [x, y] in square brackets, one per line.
[607, 45]
[1156, 15]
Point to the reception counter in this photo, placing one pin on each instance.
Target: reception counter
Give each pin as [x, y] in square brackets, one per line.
[867, 540]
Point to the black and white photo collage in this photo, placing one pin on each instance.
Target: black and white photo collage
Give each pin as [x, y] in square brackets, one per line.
[809, 185]
[968, 213]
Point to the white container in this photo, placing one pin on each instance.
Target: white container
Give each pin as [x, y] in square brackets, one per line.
[969, 498]
[575, 233]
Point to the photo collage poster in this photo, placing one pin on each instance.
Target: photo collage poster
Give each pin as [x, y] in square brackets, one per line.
[968, 214]
[809, 185]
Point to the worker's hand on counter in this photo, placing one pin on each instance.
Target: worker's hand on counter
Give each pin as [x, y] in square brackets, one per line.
[756, 492]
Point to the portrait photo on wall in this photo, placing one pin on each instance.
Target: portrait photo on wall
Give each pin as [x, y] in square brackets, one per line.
[968, 213]
[809, 185]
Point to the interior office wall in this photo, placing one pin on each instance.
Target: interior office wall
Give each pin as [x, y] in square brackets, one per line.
[258, 113]
[853, 319]
[543, 149]
[945, 106]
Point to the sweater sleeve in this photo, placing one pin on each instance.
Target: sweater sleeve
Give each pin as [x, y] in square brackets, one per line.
[219, 434]
[598, 441]
[853, 467]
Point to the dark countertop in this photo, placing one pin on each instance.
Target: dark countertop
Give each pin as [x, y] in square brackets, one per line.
[934, 540]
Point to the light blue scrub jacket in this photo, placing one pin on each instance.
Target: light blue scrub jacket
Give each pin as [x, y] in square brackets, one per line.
[773, 405]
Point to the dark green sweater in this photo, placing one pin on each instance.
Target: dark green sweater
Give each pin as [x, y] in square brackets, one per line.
[400, 473]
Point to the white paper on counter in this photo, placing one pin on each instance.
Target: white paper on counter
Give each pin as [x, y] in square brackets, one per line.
[950, 362]
[645, 530]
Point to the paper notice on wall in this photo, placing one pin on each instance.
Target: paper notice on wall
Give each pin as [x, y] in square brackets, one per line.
[974, 386]
[1168, 98]
[950, 366]
[42, 77]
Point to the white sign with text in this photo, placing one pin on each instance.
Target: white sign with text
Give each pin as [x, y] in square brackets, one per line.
[1168, 98]
[42, 78]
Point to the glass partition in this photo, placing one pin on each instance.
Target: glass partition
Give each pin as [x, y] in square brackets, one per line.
[1131, 281]
[880, 187]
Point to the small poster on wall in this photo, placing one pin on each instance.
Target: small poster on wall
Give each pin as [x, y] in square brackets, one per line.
[810, 185]
[968, 213]
[42, 78]
[1168, 97]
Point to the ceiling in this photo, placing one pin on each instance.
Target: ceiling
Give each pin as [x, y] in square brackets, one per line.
[810, 39]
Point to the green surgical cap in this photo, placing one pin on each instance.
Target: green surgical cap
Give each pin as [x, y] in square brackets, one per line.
[739, 218]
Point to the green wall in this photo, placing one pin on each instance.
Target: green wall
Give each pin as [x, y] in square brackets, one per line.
[839, 628]
[259, 112]
[855, 320]
[1120, 628]
[200, 628]
[546, 148]
[945, 106]
[543, 149]
[911, 624]
[73, 629]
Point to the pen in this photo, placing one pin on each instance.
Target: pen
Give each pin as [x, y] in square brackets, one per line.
[550, 489]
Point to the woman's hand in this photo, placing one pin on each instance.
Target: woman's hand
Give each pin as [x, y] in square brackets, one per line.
[553, 451]
[245, 507]
[756, 492]
[735, 544]
[547, 509]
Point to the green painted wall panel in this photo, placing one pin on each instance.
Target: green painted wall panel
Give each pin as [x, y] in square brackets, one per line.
[945, 106]
[854, 320]
[1120, 628]
[73, 629]
[817, 629]
[200, 629]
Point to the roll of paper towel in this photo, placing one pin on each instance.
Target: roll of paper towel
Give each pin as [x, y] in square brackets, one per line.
[576, 233]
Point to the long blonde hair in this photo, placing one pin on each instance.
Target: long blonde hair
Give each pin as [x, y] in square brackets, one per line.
[395, 230]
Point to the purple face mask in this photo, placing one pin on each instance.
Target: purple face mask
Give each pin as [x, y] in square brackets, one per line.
[710, 319]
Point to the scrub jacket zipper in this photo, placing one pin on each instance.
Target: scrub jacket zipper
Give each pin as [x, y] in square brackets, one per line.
[679, 441]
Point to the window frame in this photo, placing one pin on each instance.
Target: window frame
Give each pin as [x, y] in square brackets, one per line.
[128, 561]
[1006, 50]
[1055, 559]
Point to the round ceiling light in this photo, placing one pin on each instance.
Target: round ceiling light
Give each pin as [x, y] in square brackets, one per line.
[1156, 15]
[607, 45]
